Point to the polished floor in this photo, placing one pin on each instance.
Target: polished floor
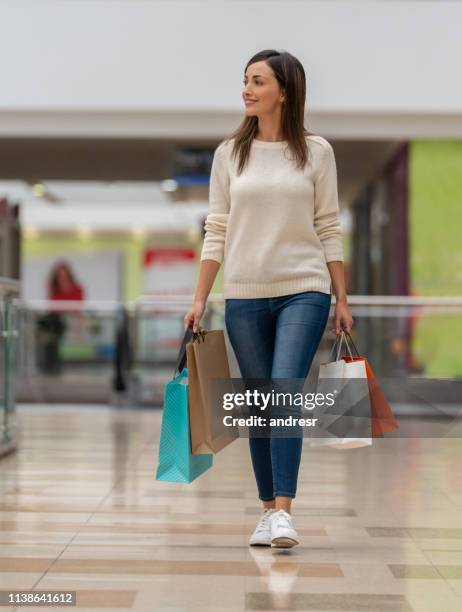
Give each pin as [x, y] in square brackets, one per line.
[381, 527]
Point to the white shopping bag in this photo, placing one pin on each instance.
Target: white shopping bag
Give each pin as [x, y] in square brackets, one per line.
[351, 412]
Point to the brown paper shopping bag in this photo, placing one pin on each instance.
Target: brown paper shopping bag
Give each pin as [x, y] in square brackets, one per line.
[207, 360]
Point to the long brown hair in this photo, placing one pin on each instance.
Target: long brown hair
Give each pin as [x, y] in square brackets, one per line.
[290, 75]
[53, 282]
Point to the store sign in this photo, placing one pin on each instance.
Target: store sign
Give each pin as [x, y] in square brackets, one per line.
[169, 271]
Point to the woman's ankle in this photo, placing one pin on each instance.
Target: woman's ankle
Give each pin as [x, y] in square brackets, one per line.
[283, 503]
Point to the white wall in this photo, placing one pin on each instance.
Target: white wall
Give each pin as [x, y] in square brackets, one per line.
[100, 62]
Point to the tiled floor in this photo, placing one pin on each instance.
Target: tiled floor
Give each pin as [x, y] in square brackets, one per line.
[381, 527]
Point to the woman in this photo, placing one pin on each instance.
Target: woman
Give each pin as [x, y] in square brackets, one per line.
[62, 286]
[274, 223]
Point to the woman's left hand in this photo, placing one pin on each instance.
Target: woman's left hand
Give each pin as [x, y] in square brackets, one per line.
[343, 319]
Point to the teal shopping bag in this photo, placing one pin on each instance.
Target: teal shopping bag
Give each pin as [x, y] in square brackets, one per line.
[176, 463]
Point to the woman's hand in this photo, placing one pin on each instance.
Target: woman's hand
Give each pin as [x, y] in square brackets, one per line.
[194, 316]
[343, 319]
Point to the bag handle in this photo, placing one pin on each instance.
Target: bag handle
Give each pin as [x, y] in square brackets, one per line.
[338, 342]
[199, 336]
[181, 359]
[347, 334]
[189, 336]
[338, 339]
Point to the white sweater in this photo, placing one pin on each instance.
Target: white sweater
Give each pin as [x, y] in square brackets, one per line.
[275, 226]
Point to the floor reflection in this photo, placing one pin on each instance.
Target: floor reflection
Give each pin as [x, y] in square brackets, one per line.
[380, 528]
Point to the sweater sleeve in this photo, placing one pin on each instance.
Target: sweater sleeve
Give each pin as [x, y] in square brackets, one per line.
[326, 207]
[217, 218]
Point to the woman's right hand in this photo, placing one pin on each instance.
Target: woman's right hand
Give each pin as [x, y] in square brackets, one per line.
[194, 316]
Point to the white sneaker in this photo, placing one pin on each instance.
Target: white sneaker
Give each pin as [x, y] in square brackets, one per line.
[262, 534]
[283, 534]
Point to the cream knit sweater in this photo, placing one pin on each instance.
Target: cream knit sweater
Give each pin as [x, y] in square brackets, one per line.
[275, 226]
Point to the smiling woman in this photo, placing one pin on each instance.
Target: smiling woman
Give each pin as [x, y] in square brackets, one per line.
[271, 79]
[261, 91]
[274, 223]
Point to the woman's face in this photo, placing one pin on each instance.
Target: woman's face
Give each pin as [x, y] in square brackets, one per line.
[261, 94]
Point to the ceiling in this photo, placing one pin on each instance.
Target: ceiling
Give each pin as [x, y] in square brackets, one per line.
[108, 170]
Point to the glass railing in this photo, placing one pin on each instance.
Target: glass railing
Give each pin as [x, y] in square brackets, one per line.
[413, 344]
[9, 337]
[67, 351]
[106, 352]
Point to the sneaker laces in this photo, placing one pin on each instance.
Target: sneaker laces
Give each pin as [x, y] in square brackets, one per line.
[264, 520]
[284, 519]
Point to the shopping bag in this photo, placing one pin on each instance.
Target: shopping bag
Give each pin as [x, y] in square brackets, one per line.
[382, 416]
[207, 361]
[176, 463]
[350, 417]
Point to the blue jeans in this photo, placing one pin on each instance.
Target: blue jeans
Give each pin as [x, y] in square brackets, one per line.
[276, 337]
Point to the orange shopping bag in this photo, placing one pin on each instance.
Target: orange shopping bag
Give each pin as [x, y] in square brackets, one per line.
[382, 416]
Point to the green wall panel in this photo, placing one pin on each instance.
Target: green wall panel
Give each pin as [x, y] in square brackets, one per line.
[435, 249]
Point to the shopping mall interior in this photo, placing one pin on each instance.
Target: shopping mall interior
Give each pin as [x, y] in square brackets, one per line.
[105, 174]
